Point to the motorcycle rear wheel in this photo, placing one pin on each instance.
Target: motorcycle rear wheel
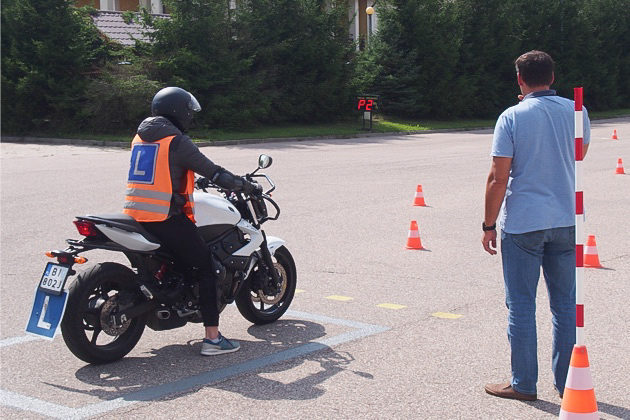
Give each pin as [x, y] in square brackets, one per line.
[92, 298]
[252, 307]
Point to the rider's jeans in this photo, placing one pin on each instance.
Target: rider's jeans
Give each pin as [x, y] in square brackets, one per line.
[523, 255]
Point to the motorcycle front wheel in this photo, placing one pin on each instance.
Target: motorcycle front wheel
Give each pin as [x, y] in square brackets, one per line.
[261, 309]
[93, 298]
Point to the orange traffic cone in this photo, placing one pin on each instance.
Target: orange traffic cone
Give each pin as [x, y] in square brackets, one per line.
[413, 239]
[614, 135]
[578, 401]
[619, 169]
[591, 259]
[419, 198]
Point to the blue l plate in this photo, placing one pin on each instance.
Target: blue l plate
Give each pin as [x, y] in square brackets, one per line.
[46, 314]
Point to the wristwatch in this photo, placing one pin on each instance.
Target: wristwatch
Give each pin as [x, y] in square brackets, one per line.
[488, 228]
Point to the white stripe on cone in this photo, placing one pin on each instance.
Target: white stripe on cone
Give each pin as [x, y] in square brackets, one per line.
[414, 234]
[590, 250]
[579, 378]
[565, 415]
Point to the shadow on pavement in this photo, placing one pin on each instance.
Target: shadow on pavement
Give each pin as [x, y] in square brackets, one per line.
[296, 385]
[554, 408]
[177, 362]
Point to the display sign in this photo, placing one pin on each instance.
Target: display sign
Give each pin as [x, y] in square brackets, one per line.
[367, 104]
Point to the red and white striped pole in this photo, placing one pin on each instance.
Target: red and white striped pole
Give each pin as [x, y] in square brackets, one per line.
[578, 400]
[579, 219]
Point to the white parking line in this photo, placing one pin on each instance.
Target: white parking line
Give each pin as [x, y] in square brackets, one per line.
[17, 340]
[11, 399]
[361, 330]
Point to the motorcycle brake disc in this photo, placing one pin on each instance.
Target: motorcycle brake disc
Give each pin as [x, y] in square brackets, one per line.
[272, 300]
[107, 325]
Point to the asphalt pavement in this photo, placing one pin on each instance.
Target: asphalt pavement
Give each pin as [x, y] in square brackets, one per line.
[375, 330]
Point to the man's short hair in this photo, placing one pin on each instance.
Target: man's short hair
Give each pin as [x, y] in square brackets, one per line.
[535, 68]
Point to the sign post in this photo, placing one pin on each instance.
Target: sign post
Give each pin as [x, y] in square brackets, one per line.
[367, 105]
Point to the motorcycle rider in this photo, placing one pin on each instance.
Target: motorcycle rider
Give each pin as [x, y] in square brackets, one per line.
[160, 196]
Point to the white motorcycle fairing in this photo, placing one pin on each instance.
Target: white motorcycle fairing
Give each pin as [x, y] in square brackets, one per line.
[210, 209]
[130, 240]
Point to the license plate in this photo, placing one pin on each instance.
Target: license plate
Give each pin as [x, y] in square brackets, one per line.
[54, 278]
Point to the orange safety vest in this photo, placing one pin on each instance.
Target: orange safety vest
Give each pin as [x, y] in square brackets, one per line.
[149, 185]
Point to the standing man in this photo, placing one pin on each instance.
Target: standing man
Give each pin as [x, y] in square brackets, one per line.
[532, 174]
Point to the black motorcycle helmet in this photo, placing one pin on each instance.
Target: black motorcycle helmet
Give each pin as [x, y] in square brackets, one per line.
[175, 104]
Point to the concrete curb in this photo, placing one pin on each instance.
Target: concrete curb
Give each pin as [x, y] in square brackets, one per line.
[125, 145]
[105, 143]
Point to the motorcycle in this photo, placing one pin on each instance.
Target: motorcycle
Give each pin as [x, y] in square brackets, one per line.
[103, 313]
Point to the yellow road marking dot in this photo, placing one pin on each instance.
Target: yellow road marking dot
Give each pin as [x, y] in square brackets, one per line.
[390, 306]
[446, 315]
[339, 298]
[299, 291]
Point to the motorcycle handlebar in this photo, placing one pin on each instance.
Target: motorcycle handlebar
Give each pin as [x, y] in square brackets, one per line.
[273, 186]
[203, 183]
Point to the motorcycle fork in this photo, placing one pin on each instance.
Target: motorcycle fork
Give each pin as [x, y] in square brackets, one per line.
[266, 254]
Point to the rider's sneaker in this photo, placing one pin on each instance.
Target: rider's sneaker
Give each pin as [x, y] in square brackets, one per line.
[208, 348]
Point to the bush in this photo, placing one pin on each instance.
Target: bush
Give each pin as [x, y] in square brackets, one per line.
[445, 59]
[264, 62]
[48, 47]
[118, 98]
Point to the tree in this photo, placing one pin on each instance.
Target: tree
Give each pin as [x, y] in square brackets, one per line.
[445, 58]
[301, 55]
[417, 50]
[47, 47]
[263, 62]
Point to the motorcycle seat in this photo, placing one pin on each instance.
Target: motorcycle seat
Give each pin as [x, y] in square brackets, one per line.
[121, 221]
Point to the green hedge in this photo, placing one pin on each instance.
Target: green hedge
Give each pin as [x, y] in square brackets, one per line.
[48, 49]
[276, 61]
[444, 58]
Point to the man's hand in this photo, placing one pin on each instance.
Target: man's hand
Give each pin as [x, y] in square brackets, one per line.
[489, 242]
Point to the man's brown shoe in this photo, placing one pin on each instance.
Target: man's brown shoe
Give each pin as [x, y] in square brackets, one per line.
[505, 390]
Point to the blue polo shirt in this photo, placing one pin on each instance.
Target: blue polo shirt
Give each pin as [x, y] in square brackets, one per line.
[539, 135]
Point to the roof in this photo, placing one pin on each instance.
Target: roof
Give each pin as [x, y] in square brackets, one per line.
[112, 25]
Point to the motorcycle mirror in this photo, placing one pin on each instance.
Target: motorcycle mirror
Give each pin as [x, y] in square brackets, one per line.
[264, 161]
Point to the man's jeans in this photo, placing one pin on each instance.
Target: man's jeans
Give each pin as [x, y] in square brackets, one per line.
[523, 255]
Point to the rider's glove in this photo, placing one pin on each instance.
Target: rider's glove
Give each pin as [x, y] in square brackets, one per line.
[250, 187]
[202, 183]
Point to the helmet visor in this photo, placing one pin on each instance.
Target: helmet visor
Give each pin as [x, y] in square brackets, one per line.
[194, 103]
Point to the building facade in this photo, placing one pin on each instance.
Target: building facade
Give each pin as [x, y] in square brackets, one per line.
[362, 25]
[155, 6]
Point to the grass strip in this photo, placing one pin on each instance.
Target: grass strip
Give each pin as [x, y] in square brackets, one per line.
[382, 124]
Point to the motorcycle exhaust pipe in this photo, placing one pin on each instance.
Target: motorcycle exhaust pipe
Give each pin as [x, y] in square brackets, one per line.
[163, 314]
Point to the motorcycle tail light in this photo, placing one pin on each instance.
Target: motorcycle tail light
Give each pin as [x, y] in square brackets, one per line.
[64, 259]
[86, 228]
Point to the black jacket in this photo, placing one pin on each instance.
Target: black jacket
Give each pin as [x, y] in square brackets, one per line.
[182, 156]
